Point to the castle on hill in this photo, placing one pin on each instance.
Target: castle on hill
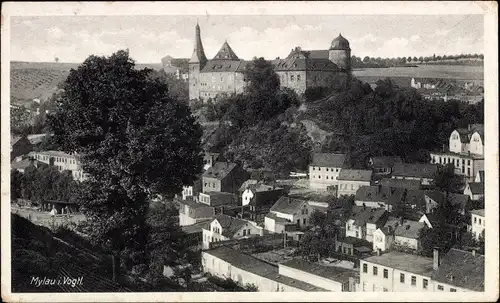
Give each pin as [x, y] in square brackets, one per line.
[224, 74]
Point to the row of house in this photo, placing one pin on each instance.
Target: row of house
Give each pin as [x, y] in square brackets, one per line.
[456, 271]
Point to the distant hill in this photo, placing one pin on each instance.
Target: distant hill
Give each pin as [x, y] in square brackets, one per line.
[40, 80]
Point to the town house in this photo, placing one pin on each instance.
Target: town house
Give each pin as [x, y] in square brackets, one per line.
[425, 173]
[378, 196]
[324, 170]
[62, 161]
[349, 180]
[19, 146]
[191, 212]
[477, 222]
[258, 199]
[459, 271]
[224, 227]
[475, 190]
[396, 272]
[465, 151]
[363, 222]
[223, 177]
[293, 210]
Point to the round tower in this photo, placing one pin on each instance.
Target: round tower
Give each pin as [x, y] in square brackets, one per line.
[340, 53]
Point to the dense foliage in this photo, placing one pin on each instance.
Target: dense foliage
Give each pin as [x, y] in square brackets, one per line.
[389, 121]
[43, 183]
[136, 142]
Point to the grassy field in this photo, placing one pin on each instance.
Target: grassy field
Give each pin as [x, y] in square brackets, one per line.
[31, 80]
[455, 72]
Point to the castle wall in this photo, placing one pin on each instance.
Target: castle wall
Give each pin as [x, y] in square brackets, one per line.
[295, 80]
[341, 57]
[213, 84]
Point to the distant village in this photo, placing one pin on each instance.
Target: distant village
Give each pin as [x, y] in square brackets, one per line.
[248, 229]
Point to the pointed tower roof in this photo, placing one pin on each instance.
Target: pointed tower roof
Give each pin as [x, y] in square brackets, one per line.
[198, 52]
[226, 53]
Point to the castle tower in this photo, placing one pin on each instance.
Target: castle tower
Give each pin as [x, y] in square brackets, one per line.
[340, 53]
[196, 64]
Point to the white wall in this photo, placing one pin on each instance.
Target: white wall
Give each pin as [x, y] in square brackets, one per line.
[477, 223]
[322, 177]
[408, 242]
[455, 144]
[223, 269]
[370, 282]
[381, 241]
[247, 196]
[350, 187]
[351, 229]
[476, 144]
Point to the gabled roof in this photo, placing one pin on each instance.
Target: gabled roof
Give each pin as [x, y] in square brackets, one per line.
[401, 183]
[218, 65]
[355, 175]
[461, 269]
[408, 229]
[219, 170]
[419, 170]
[328, 160]
[230, 225]
[435, 195]
[379, 193]
[385, 161]
[247, 184]
[479, 212]
[415, 197]
[226, 53]
[361, 216]
[287, 205]
[477, 188]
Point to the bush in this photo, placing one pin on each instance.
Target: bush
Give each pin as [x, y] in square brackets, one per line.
[316, 93]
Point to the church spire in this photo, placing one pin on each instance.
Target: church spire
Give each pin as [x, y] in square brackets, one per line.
[198, 52]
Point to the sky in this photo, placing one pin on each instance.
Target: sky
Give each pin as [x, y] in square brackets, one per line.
[150, 38]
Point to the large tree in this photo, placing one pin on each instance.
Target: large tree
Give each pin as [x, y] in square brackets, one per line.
[136, 142]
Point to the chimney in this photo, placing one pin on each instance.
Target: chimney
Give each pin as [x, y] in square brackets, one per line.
[435, 265]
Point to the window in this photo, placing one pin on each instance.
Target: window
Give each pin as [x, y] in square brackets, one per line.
[319, 168]
[413, 280]
[298, 77]
[365, 268]
[440, 287]
[402, 278]
[244, 232]
[475, 219]
[314, 168]
[304, 221]
[291, 77]
[375, 270]
[453, 290]
[425, 283]
[479, 221]
[326, 169]
[386, 273]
